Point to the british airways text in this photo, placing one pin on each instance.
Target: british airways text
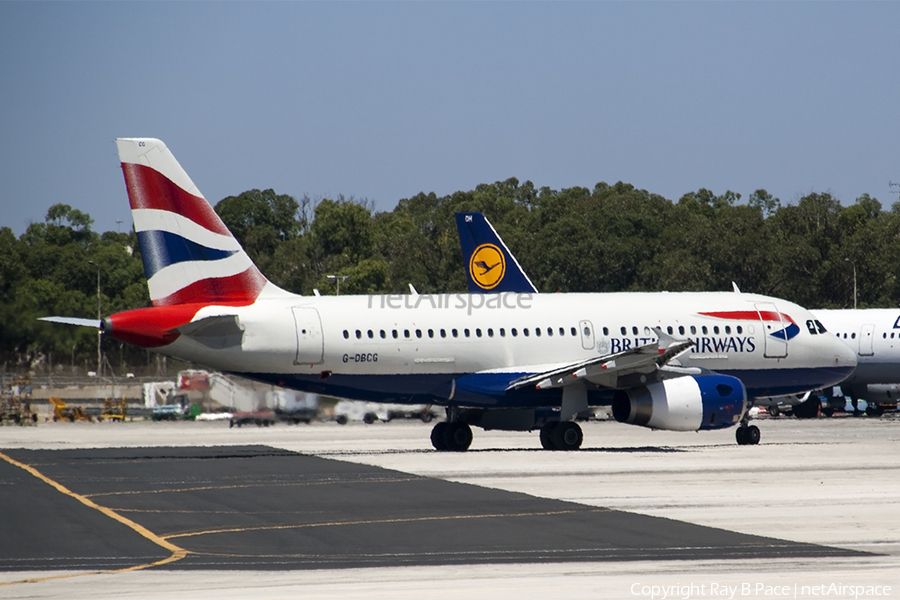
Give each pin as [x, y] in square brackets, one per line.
[702, 345]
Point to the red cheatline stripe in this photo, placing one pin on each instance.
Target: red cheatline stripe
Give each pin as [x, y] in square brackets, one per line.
[749, 315]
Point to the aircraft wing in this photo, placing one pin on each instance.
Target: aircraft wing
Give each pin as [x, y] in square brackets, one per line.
[635, 366]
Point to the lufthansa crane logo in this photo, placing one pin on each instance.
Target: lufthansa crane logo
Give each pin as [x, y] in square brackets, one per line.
[487, 266]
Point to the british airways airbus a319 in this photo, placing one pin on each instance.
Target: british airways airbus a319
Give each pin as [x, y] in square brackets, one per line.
[504, 360]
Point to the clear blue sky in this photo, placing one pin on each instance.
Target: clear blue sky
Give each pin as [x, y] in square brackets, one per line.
[384, 100]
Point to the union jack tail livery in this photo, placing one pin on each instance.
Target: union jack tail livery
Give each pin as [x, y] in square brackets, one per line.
[189, 255]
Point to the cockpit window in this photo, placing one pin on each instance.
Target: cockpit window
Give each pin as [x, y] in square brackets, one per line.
[812, 327]
[820, 327]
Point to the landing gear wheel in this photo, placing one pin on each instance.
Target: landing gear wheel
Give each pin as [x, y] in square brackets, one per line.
[808, 409]
[774, 412]
[567, 436]
[752, 435]
[437, 436]
[828, 411]
[547, 435]
[874, 410]
[747, 436]
[457, 437]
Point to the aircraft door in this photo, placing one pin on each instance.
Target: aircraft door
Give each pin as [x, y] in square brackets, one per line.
[310, 340]
[867, 340]
[587, 334]
[774, 326]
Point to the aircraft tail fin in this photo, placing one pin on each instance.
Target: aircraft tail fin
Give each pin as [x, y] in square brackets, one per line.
[189, 254]
[490, 266]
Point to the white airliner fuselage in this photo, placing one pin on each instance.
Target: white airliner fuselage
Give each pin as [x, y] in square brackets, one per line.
[685, 361]
[413, 348]
[874, 335]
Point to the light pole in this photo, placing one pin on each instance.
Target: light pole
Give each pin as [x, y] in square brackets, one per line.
[853, 264]
[337, 279]
[99, 320]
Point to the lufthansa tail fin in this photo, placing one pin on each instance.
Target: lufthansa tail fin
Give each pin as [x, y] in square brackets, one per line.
[490, 266]
[189, 255]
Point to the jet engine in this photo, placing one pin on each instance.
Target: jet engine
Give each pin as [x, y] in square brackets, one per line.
[687, 403]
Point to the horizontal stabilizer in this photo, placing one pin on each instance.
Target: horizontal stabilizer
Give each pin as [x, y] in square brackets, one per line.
[73, 321]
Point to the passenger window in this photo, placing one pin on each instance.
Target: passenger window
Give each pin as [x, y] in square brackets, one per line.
[727, 330]
[502, 332]
[370, 334]
[853, 336]
[431, 333]
[681, 330]
[669, 330]
[406, 333]
[634, 330]
[525, 332]
[346, 335]
[383, 334]
[550, 331]
[514, 332]
[693, 330]
[537, 331]
[418, 333]
[490, 332]
[606, 331]
[443, 333]
[395, 334]
[358, 334]
[623, 330]
[562, 331]
[478, 332]
[454, 332]
[573, 332]
[740, 329]
[466, 332]
[716, 330]
[703, 329]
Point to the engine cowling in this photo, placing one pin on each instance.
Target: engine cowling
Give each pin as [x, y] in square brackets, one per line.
[686, 403]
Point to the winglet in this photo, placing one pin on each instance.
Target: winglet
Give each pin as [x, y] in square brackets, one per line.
[490, 266]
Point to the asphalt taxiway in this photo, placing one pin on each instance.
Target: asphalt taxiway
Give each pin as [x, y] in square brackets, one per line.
[200, 510]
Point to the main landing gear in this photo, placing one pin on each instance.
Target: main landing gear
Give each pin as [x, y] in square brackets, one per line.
[747, 435]
[451, 436]
[456, 436]
[561, 435]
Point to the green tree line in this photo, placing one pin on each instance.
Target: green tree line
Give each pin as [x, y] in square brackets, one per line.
[605, 239]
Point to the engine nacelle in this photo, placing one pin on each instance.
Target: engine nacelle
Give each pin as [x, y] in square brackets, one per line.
[684, 403]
